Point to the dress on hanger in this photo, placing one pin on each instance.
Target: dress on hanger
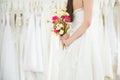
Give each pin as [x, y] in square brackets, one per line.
[117, 25]
[33, 46]
[33, 54]
[39, 48]
[110, 28]
[2, 26]
[46, 33]
[9, 60]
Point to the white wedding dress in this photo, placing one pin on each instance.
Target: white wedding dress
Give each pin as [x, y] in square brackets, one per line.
[33, 46]
[87, 58]
[117, 25]
[9, 60]
[2, 24]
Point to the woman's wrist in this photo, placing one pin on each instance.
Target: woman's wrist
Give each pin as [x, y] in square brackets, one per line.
[70, 39]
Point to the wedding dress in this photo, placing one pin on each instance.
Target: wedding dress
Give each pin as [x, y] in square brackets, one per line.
[33, 53]
[46, 34]
[2, 25]
[87, 58]
[110, 29]
[9, 62]
[33, 46]
[117, 25]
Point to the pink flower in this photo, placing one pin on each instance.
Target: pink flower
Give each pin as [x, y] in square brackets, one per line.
[68, 19]
[56, 31]
[56, 22]
[63, 17]
[55, 18]
[53, 22]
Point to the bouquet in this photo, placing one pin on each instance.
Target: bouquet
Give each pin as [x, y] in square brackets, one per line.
[60, 22]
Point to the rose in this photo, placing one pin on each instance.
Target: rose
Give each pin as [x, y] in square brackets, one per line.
[56, 31]
[61, 32]
[66, 13]
[63, 17]
[67, 18]
[59, 26]
[54, 18]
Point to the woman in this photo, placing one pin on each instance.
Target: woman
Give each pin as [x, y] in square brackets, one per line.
[85, 58]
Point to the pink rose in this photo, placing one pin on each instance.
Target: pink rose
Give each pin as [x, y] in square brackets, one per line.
[56, 22]
[68, 19]
[56, 31]
[55, 18]
[63, 17]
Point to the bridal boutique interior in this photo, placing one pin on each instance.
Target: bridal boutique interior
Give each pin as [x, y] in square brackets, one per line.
[26, 38]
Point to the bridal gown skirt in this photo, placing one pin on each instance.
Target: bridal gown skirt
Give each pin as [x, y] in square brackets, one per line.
[87, 58]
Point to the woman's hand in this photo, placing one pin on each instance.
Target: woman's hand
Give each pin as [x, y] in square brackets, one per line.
[67, 42]
[64, 37]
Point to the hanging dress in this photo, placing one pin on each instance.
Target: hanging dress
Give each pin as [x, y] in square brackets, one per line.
[9, 60]
[33, 49]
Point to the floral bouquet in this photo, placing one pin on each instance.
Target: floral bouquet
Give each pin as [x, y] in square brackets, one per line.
[60, 22]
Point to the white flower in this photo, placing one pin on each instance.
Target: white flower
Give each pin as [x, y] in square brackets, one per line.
[63, 9]
[61, 13]
[61, 25]
[66, 13]
[58, 28]
[61, 32]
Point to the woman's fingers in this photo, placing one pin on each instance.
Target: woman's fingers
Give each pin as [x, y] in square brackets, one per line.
[61, 37]
[65, 36]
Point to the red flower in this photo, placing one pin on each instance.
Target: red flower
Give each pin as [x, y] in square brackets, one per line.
[63, 17]
[67, 18]
[56, 22]
[55, 18]
[56, 31]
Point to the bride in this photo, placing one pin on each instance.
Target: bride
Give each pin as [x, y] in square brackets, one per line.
[87, 56]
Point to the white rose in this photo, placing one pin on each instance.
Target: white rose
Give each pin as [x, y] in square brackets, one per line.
[66, 13]
[63, 9]
[61, 32]
[61, 13]
[61, 25]
[58, 27]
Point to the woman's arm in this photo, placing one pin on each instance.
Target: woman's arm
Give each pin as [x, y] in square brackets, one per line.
[88, 5]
